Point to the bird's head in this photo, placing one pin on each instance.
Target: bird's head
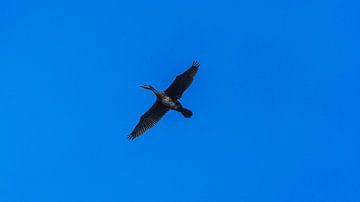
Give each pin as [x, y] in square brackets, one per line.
[148, 87]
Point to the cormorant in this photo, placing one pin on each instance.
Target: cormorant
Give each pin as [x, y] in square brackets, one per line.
[169, 99]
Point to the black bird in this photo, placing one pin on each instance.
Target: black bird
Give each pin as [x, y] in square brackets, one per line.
[166, 100]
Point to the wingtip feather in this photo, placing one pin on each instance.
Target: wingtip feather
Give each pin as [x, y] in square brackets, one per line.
[131, 137]
[195, 63]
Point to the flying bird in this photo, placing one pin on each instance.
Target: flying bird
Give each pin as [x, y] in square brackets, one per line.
[166, 100]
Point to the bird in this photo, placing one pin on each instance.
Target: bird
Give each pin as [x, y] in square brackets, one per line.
[166, 100]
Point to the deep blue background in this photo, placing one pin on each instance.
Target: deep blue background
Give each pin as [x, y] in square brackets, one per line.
[276, 101]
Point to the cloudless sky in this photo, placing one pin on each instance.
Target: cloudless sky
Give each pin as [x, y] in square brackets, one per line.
[275, 101]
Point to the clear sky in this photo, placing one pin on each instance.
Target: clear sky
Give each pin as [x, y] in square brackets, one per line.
[275, 101]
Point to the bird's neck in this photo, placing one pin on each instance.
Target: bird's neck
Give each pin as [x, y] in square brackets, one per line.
[154, 91]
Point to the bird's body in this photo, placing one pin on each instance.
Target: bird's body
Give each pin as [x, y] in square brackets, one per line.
[166, 100]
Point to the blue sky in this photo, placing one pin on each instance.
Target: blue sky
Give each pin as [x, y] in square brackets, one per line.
[275, 102]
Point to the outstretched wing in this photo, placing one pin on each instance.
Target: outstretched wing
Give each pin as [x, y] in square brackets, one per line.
[182, 82]
[149, 119]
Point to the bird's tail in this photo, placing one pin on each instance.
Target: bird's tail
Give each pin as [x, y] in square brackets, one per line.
[186, 113]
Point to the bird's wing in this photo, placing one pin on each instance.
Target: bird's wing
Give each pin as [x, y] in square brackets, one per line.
[149, 119]
[182, 82]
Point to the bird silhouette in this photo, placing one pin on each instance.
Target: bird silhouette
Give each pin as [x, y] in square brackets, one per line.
[166, 100]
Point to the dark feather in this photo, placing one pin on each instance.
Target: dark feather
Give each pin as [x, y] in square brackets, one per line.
[149, 119]
[182, 82]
